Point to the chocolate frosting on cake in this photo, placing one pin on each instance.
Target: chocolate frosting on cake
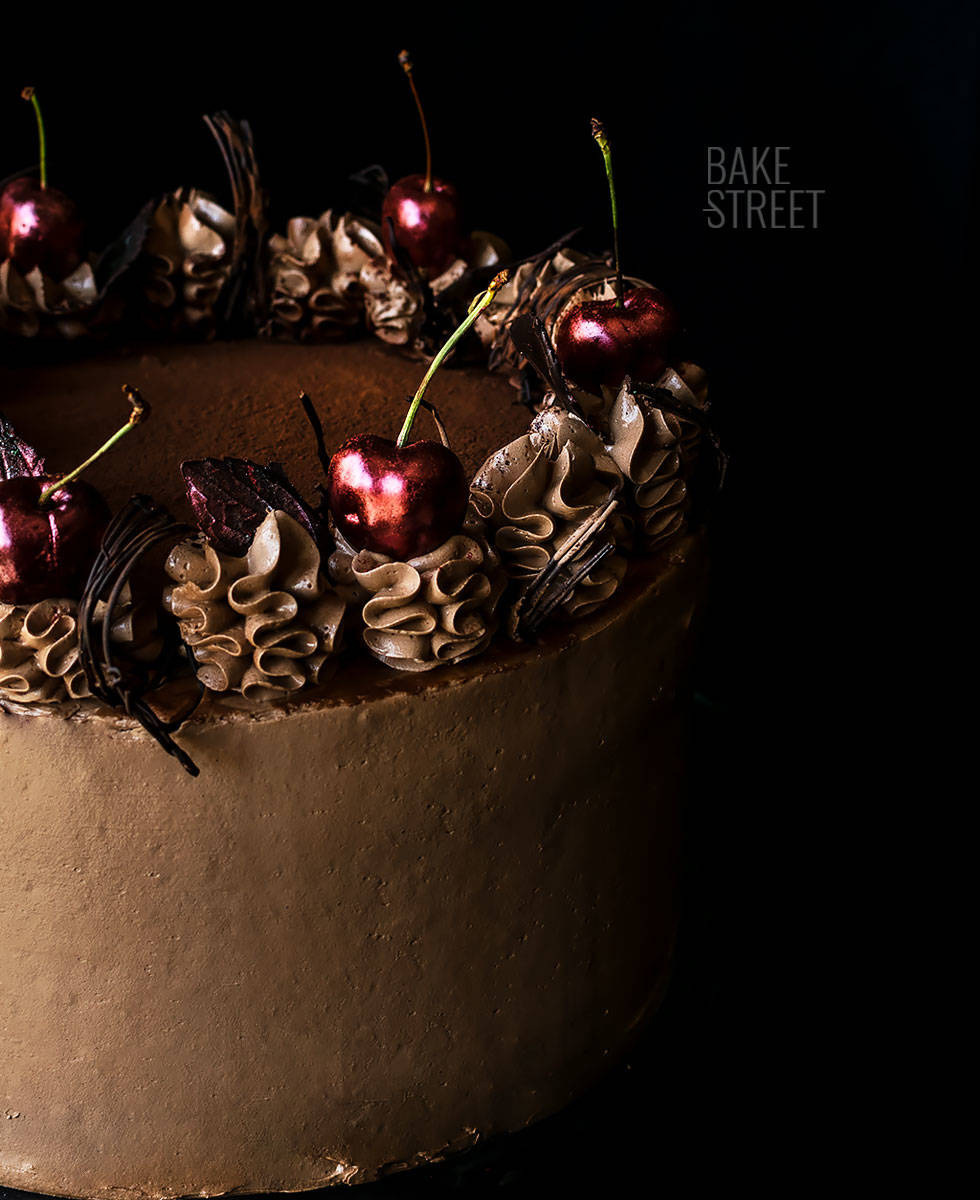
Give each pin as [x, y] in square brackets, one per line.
[397, 911]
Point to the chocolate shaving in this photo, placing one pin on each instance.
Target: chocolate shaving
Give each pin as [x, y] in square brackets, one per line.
[231, 497]
[136, 529]
[16, 456]
[31, 172]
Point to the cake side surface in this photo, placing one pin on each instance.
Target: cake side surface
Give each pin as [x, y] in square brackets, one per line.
[371, 929]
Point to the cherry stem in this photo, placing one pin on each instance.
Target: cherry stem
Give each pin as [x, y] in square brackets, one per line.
[140, 411]
[29, 94]
[599, 133]
[477, 306]
[405, 59]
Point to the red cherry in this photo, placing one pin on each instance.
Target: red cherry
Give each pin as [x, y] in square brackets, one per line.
[47, 552]
[400, 501]
[40, 227]
[600, 342]
[426, 224]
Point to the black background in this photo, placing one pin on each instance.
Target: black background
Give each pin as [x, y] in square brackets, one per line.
[802, 331]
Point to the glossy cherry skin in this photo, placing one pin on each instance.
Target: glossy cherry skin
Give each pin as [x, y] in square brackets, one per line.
[47, 553]
[40, 227]
[600, 342]
[400, 502]
[427, 224]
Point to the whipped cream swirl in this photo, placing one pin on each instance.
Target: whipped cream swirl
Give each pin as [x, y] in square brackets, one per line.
[265, 625]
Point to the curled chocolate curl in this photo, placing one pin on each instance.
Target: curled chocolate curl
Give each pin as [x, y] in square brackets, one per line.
[655, 438]
[244, 296]
[137, 528]
[265, 625]
[436, 609]
[520, 296]
[549, 498]
[545, 289]
[40, 659]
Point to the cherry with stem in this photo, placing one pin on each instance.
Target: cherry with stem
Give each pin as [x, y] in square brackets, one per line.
[600, 342]
[420, 215]
[39, 226]
[398, 498]
[51, 529]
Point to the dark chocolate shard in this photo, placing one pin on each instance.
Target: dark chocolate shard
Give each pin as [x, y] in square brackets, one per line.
[583, 551]
[231, 497]
[121, 253]
[17, 458]
[529, 335]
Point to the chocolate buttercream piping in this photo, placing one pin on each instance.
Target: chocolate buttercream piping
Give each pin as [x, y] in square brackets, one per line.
[265, 625]
[32, 303]
[546, 497]
[655, 435]
[437, 608]
[314, 273]
[187, 260]
[40, 659]
[39, 653]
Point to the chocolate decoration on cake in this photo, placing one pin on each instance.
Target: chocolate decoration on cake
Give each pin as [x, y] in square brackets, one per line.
[231, 497]
[265, 624]
[126, 684]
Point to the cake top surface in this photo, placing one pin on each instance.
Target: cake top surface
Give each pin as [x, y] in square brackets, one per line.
[241, 399]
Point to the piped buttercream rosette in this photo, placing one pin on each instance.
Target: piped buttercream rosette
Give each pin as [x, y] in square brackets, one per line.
[330, 277]
[551, 500]
[186, 261]
[34, 302]
[316, 292]
[438, 608]
[654, 439]
[265, 625]
[39, 647]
